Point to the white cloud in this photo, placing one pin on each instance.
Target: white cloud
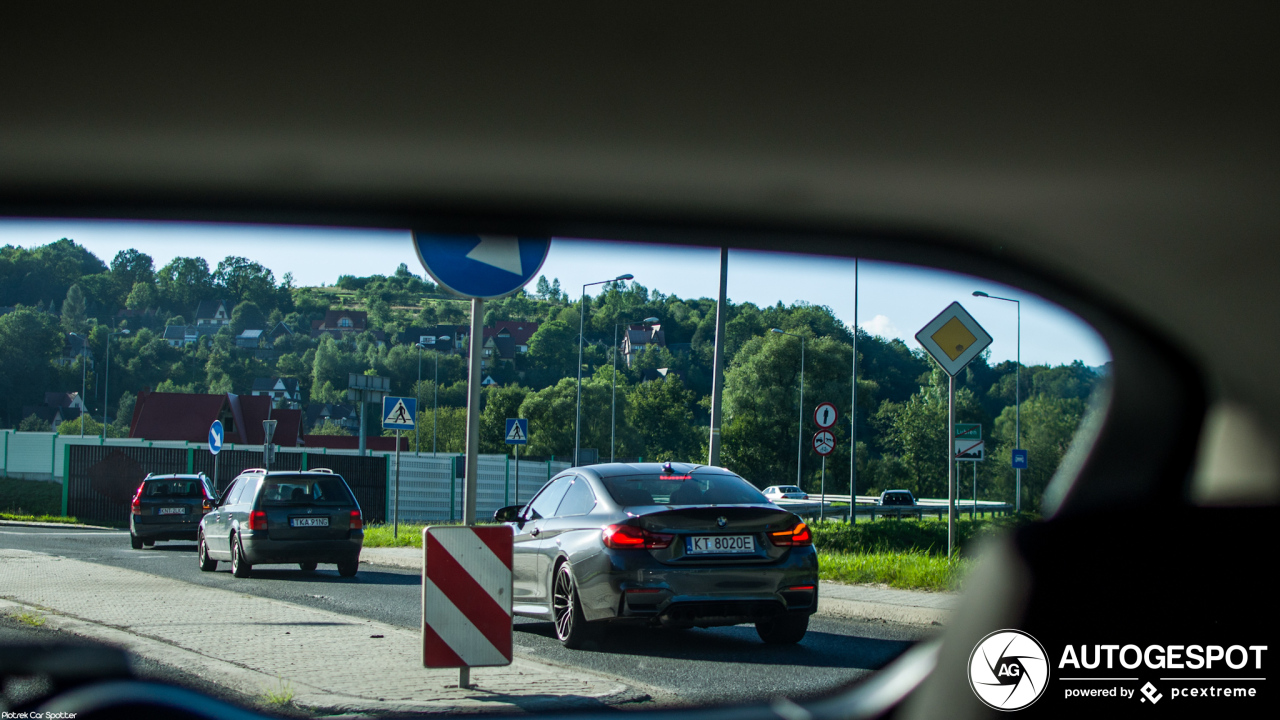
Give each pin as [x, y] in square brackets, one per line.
[881, 325]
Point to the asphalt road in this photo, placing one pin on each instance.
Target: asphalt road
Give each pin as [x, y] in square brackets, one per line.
[692, 666]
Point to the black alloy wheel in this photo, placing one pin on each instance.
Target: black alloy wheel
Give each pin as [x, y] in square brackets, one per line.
[239, 566]
[207, 564]
[307, 566]
[135, 542]
[572, 629]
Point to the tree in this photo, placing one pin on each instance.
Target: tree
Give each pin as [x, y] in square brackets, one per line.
[33, 423]
[551, 414]
[184, 282]
[91, 427]
[499, 403]
[553, 353]
[128, 268]
[73, 311]
[329, 427]
[451, 436]
[247, 316]
[660, 412]
[916, 433]
[143, 296]
[1049, 425]
[29, 340]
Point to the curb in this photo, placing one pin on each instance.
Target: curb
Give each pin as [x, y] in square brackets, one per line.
[36, 524]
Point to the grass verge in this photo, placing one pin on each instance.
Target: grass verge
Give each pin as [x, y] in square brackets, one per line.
[904, 554]
[19, 516]
[30, 497]
[382, 536]
[906, 570]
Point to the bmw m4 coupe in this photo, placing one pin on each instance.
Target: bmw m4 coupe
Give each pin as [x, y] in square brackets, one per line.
[671, 544]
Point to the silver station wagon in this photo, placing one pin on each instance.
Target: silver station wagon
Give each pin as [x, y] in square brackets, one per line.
[669, 544]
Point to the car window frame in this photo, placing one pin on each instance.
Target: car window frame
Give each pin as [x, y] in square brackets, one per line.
[529, 514]
[595, 500]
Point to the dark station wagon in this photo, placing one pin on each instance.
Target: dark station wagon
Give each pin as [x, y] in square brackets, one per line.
[169, 507]
[305, 517]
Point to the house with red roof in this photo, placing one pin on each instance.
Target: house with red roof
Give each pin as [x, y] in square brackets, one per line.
[187, 416]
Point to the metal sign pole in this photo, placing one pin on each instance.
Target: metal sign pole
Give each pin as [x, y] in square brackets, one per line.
[473, 434]
[951, 465]
[974, 508]
[395, 522]
[822, 508]
[517, 474]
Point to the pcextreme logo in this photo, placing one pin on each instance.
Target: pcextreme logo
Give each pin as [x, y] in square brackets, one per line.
[1008, 670]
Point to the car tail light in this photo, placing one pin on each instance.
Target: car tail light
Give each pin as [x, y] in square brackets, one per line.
[800, 588]
[208, 505]
[630, 537]
[357, 522]
[257, 520]
[136, 506]
[795, 537]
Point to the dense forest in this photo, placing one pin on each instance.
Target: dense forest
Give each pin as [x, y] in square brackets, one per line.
[49, 291]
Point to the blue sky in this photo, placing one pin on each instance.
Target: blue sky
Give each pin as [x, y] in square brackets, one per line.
[894, 300]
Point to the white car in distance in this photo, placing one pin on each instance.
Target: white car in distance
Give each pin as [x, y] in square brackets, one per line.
[785, 492]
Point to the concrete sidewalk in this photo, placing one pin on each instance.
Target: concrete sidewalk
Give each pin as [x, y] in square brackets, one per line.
[834, 599]
[333, 663]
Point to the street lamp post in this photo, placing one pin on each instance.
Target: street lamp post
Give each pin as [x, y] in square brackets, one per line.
[800, 428]
[417, 394]
[435, 395]
[83, 347]
[1017, 399]
[582, 317]
[613, 404]
[106, 381]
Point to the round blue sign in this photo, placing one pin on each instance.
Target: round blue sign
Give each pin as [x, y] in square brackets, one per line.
[481, 266]
[215, 437]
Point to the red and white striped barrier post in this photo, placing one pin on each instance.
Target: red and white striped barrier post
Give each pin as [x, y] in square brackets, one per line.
[466, 597]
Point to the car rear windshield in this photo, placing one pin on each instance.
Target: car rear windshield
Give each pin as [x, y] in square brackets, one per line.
[158, 489]
[324, 489]
[658, 489]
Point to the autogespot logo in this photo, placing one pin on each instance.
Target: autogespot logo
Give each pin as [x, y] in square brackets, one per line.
[1008, 670]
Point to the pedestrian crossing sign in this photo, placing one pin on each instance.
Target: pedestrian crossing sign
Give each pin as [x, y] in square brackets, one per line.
[517, 431]
[399, 413]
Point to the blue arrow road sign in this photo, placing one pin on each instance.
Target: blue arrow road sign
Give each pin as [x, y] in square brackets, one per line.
[1019, 459]
[215, 437]
[517, 431]
[399, 413]
[481, 266]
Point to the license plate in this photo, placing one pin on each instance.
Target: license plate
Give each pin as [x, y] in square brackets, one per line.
[720, 545]
[309, 522]
[173, 511]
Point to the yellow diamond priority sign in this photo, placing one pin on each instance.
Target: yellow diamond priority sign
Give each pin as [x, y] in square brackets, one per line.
[953, 338]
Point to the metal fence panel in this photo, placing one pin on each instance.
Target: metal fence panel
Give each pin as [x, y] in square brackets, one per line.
[102, 479]
[30, 455]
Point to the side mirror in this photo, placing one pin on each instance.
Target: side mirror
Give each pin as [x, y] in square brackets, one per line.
[507, 514]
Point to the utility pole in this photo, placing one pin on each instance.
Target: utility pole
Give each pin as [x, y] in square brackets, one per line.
[853, 412]
[717, 366]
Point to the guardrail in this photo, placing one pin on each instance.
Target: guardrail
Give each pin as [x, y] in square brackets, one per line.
[925, 506]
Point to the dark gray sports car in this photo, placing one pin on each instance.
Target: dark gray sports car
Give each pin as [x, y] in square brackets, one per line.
[667, 544]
